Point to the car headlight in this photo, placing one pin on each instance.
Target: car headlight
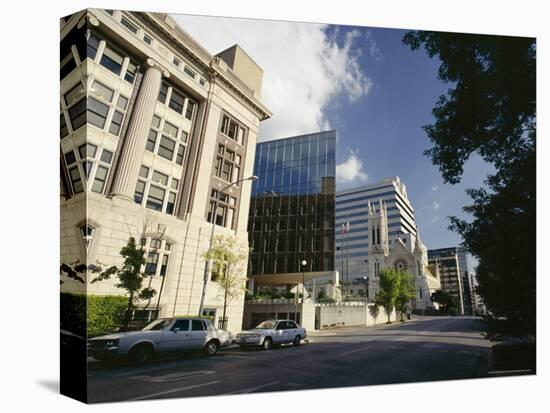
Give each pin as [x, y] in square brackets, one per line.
[111, 343]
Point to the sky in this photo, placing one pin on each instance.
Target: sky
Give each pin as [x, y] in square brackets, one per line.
[370, 87]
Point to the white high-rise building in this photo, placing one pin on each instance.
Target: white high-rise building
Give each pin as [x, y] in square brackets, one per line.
[352, 207]
[381, 234]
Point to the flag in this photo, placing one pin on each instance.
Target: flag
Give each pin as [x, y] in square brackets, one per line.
[345, 228]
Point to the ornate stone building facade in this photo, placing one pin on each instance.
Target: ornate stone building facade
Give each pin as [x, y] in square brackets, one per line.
[152, 127]
[406, 253]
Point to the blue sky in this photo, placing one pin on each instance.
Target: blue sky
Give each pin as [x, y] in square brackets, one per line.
[363, 82]
[384, 129]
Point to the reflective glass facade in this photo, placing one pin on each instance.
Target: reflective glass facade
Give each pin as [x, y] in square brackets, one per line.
[292, 207]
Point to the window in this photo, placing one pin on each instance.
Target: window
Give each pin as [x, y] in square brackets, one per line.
[92, 46]
[131, 72]
[225, 212]
[202, 81]
[63, 126]
[190, 109]
[176, 61]
[126, 23]
[99, 108]
[181, 325]
[94, 166]
[156, 190]
[112, 60]
[157, 254]
[87, 231]
[163, 93]
[227, 164]
[67, 64]
[77, 114]
[197, 325]
[189, 72]
[147, 39]
[177, 100]
[74, 172]
[232, 129]
[168, 144]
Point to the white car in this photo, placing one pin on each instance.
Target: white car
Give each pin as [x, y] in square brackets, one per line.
[164, 335]
[272, 332]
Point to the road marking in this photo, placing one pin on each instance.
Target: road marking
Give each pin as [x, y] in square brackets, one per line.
[251, 389]
[173, 376]
[162, 393]
[356, 350]
[148, 369]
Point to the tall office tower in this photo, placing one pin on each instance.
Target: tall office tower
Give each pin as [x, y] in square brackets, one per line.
[453, 269]
[352, 207]
[291, 216]
[152, 127]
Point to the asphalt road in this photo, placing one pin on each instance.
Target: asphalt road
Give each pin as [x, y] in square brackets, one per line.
[424, 349]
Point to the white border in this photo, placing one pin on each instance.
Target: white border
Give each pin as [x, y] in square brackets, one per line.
[30, 162]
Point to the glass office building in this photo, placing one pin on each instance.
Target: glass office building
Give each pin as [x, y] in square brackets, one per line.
[292, 207]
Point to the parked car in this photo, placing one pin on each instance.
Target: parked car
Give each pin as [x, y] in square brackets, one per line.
[272, 332]
[178, 334]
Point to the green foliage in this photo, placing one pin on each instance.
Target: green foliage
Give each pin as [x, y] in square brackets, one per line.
[105, 313]
[130, 276]
[91, 315]
[406, 292]
[448, 304]
[388, 291]
[490, 110]
[229, 256]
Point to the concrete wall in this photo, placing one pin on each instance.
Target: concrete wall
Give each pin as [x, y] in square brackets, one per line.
[315, 316]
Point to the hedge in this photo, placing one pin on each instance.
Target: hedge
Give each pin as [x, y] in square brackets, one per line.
[105, 313]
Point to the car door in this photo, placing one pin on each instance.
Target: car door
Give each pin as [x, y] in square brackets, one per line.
[177, 337]
[292, 331]
[280, 333]
[198, 334]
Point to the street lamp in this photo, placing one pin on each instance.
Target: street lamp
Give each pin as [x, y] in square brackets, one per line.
[208, 265]
[366, 281]
[303, 263]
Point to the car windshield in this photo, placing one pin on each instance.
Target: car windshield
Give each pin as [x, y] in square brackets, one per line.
[264, 325]
[158, 324]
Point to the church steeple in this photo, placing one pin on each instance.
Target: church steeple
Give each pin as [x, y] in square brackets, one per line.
[378, 228]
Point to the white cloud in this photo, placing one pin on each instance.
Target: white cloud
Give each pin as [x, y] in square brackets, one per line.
[435, 188]
[435, 205]
[304, 67]
[351, 170]
[434, 219]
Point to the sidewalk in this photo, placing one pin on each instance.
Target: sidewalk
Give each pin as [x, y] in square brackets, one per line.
[328, 332]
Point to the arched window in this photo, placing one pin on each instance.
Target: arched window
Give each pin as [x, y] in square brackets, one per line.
[157, 256]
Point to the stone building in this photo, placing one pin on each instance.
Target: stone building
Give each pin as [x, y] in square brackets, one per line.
[152, 127]
[406, 253]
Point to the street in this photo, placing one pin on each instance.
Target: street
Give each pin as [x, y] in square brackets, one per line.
[423, 349]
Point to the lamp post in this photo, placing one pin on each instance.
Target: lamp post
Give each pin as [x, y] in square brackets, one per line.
[304, 263]
[366, 281]
[208, 265]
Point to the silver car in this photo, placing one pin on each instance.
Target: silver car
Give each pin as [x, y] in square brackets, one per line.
[272, 332]
[178, 334]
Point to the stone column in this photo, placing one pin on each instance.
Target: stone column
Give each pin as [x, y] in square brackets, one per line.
[131, 155]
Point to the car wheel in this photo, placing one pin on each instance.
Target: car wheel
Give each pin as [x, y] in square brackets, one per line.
[140, 353]
[267, 344]
[297, 340]
[211, 348]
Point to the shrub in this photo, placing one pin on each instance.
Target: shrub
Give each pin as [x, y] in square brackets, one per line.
[102, 315]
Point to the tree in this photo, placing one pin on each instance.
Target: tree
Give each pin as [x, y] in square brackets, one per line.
[229, 258]
[405, 293]
[130, 277]
[490, 110]
[448, 304]
[388, 291]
